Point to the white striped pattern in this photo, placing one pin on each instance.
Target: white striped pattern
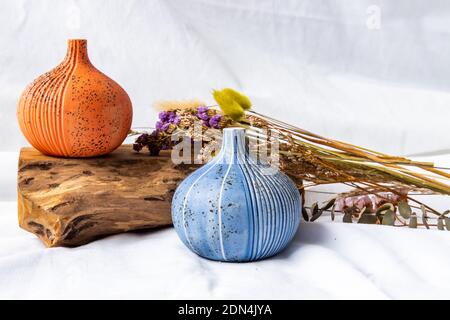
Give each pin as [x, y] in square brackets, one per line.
[272, 207]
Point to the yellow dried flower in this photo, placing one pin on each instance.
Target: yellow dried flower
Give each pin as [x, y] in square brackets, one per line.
[241, 99]
[232, 103]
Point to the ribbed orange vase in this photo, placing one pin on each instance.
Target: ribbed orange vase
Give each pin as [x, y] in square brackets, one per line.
[75, 110]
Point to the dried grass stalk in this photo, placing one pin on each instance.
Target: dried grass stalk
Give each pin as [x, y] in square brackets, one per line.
[315, 159]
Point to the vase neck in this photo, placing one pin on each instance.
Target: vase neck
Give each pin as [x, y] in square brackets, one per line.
[77, 51]
[233, 148]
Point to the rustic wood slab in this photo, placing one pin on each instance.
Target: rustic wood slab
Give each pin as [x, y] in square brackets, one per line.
[70, 202]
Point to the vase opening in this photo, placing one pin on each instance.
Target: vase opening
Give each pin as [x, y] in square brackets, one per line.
[77, 50]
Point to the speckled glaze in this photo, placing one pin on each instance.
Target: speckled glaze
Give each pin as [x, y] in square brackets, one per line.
[75, 110]
[230, 210]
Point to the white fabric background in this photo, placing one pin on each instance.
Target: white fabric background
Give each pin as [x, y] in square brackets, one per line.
[317, 64]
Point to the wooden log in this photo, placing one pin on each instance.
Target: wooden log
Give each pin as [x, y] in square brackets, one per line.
[70, 202]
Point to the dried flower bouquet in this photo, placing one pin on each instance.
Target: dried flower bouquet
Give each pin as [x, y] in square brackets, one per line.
[381, 184]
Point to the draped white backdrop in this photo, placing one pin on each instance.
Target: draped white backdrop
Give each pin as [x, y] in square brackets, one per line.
[374, 73]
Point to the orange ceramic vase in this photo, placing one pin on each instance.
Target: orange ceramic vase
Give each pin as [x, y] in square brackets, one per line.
[75, 110]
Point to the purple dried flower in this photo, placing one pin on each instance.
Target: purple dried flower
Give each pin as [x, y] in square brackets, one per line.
[176, 120]
[154, 150]
[164, 116]
[171, 116]
[202, 109]
[165, 126]
[203, 116]
[147, 140]
[159, 125]
[137, 147]
[214, 121]
[206, 123]
[154, 134]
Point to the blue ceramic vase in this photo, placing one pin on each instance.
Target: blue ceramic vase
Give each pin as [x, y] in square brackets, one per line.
[231, 210]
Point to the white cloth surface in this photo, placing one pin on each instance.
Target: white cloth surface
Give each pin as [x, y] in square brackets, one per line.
[373, 73]
[325, 261]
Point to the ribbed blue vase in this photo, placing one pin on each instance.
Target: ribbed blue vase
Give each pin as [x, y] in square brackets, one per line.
[232, 210]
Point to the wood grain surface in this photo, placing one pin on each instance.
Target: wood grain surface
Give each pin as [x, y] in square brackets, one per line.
[70, 202]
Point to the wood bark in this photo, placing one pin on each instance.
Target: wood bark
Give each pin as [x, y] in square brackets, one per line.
[70, 202]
